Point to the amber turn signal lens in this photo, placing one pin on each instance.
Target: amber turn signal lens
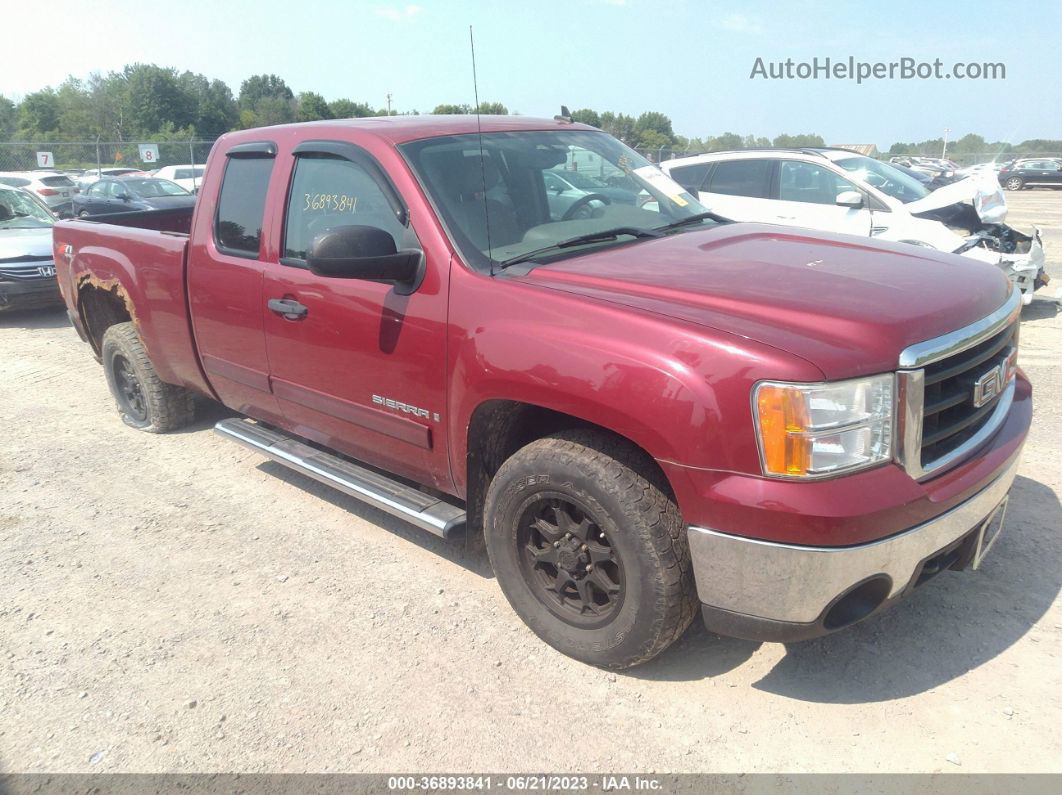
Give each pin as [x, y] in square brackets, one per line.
[783, 416]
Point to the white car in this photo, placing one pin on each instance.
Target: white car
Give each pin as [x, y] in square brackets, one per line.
[92, 175]
[188, 177]
[837, 190]
[53, 188]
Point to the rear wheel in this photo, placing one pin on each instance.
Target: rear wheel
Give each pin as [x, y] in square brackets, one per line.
[1014, 183]
[590, 549]
[83, 214]
[144, 402]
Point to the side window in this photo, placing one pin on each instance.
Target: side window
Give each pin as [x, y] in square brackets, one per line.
[742, 178]
[328, 192]
[238, 225]
[807, 182]
[182, 173]
[692, 176]
[97, 189]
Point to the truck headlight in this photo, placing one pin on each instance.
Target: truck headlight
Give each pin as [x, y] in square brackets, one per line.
[811, 430]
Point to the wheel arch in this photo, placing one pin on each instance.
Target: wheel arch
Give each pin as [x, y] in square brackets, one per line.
[498, 428]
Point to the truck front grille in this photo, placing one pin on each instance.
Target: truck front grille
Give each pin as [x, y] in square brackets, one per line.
[949, 416]
[955, 391]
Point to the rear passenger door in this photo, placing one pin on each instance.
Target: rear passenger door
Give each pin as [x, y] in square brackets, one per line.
[225, 272]
[740, 190]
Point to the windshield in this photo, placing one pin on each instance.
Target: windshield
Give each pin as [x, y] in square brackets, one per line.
[886, 178]
[154, 188]
[19, 210]
[509, 202]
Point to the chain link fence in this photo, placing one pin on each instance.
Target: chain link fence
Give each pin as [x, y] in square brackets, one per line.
[78, 156]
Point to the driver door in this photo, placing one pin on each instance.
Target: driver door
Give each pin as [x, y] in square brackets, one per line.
[807, 196]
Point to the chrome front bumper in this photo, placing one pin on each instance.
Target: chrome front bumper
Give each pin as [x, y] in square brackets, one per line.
[762, 582]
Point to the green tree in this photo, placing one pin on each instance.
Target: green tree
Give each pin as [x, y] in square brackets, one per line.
[449, 110]
[348, 109]
[726, 142]
[274, 110]
[312, 107]
[38, 115]
[215, 108]
[493, 109]
[8, 118]
[653, 130]
[587, 116]
[154, 96]
[798, 141]
[258, 87]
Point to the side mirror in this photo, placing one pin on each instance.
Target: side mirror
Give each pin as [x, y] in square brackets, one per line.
[365, 252]
[850, 198]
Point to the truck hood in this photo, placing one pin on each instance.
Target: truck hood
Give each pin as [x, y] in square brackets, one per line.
[25, 243]
[979, 192]
[847, 305]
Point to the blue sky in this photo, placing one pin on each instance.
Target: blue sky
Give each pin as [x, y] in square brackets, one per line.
[688, 59]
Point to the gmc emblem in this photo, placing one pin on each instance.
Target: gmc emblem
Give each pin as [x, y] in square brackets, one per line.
[989, 385]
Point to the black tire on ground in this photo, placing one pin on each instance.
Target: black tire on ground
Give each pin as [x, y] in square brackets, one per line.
[636, 537]
[83, 214]
[1014, 183]
[144, 402]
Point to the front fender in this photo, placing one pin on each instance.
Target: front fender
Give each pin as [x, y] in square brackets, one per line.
[679, 391]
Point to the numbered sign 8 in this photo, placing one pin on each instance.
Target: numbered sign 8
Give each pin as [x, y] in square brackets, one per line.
[149, 153]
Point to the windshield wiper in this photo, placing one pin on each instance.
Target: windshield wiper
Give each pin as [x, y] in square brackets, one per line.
[693, 219]
[603, 236]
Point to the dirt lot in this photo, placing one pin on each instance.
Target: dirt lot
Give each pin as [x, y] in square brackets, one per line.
[173, 603]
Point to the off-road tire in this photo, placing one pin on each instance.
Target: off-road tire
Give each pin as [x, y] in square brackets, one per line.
[165, 407]
[617, 484]
[1014, 183]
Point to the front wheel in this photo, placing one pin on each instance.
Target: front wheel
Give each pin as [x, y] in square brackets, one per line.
[590, 549]
[144, 401]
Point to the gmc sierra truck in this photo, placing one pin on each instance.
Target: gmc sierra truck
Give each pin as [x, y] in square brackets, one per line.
[639, 408]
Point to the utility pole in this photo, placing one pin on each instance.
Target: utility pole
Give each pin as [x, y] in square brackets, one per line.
[388, 104]
[944, 151]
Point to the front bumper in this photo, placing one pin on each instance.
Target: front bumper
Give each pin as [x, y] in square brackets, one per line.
[29, 293]
[764, 590]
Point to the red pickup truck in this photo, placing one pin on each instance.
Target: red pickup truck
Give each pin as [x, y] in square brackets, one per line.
[639, 408]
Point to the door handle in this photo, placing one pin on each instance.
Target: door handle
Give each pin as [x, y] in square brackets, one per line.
[289, 308]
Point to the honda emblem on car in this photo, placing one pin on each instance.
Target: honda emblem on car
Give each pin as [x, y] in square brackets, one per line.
[46, 270]
[988, 386]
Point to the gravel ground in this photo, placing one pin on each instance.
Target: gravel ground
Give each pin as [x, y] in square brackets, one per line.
[175, 603]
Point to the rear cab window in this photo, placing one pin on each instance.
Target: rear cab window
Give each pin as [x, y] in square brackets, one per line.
[241, 202]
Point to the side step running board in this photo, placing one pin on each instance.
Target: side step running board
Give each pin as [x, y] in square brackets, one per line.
[425, 511]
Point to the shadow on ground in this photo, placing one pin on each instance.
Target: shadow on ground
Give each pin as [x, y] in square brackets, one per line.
[34, 318]
[1040, 309]
[454, 551]
[956, 623]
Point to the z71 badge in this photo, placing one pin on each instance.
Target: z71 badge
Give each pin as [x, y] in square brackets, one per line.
[398, 405]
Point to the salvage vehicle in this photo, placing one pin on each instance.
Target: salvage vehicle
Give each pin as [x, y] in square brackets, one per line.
[838, 190]
[131, 194]
[27, 272]
[639, 413]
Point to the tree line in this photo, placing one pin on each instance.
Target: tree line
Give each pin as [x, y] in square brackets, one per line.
[146, 102]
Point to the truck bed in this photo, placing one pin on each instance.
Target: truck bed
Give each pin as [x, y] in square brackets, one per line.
[133, 263]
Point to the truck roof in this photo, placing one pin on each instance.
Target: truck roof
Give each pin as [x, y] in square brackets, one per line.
[400, 129]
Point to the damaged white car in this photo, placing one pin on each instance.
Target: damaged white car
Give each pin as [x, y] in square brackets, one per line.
[840, 191]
